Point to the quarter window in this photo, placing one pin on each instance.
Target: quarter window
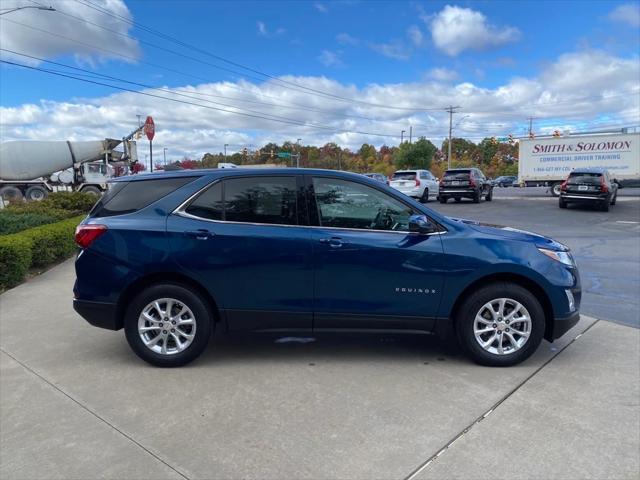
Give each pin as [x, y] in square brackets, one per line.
[208, 204]
[345, 204]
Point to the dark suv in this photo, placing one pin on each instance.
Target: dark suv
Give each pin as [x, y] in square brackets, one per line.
[171, 256]
[591, 186]
[462, 183]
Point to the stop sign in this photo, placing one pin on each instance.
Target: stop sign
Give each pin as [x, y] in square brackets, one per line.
[149, 128]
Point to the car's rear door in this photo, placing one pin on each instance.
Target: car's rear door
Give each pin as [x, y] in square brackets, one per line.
[370, 272]
[245, 239]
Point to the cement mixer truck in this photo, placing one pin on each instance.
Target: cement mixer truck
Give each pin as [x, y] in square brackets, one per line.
[32, 169]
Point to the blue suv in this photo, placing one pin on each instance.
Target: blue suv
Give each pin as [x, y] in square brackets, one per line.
[171, 256]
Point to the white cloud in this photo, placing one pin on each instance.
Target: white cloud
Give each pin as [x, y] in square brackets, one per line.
[330, 59]
[87, 42]
[628, 13]
[263, 31]
[442, 74]
[346, 39]
[574, 88]
[455, 29]
[322, 8]
[394, 49]
[415, 35]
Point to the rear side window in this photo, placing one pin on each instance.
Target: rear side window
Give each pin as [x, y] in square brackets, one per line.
[129, 197]
[404, 176]
[585, 178]
[271, 200]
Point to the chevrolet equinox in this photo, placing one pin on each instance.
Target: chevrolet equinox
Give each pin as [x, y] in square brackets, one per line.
[171, 256]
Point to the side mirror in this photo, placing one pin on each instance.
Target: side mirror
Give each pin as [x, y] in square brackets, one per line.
[421, 224]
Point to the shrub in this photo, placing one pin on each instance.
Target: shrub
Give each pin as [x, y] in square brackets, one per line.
[35, 247]
[15, 260]
[12, 222]
[73, 201]
[39, 208]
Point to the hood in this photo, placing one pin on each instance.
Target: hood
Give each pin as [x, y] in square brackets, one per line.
[513, 234]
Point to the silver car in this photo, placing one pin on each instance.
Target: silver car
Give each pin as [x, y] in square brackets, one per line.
[420, 184]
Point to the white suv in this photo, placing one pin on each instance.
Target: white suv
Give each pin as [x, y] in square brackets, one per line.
[420, 184]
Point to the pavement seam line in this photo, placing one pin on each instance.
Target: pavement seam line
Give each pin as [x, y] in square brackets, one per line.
[468, 428]
[91, 412]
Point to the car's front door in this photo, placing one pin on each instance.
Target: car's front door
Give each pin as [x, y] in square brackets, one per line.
[370, 271]
[245, 240]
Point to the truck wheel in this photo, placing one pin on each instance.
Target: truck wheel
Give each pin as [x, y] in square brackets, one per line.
[500, 325]
[168, 325]
[36, 193]
[555, 189]
[92, 190]
[11, 194]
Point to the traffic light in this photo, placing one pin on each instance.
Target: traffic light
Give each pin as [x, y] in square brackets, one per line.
[556, 133]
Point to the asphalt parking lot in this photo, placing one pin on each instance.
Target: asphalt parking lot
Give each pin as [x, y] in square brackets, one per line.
[75, 402]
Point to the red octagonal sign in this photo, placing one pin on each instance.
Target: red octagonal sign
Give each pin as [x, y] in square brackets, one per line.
[149, 128]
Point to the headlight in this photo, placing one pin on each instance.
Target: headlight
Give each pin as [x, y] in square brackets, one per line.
[562, 257]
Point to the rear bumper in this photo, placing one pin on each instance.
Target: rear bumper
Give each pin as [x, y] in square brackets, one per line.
[410, 192]
[98, 314]
[563, 325]
[452, 192]
[575, 197]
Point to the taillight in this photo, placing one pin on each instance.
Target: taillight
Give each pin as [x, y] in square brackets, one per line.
[472, 183]
[563, 187]
[442, 182]
[87, 234]
[417, 182]
[603, 186]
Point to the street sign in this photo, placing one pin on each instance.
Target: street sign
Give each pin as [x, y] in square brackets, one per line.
[149, 128]
[502, 139]
[284, 155]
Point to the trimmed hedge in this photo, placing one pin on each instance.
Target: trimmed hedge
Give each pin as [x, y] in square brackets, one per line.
[12, 222]
[35, 247]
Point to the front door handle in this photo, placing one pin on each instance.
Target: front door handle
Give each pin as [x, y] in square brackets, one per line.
[333, 242]
[199, 234]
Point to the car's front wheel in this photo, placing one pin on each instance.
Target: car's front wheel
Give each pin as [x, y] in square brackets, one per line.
[168, 325]
[500, 325]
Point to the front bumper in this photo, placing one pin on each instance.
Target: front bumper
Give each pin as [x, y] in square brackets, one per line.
[562, 326]
[98, 314]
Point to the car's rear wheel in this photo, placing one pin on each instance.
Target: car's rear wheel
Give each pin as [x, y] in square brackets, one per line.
[425, 196]
[442, 199]
[476, 197]
[604, 206]
[500, 325]
[562, 203]
[489, 195]
[168, 325]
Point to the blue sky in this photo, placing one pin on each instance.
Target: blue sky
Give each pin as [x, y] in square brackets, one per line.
[468, 53]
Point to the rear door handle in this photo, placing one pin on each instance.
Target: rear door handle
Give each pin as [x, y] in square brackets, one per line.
[333, 242]
[199, 234]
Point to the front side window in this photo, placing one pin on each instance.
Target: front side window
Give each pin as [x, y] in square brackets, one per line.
[249, 200]
[345, 204]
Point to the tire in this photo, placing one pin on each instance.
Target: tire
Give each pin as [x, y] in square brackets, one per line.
[443, 199]
[92, 190]
[555, 189]
[425, 196]
[182, 297]
[11, 194]
[604, 206]
[489, 195]
[613, 200]
[562, 203]
[476, 197]
[36, 193]
[476, 305]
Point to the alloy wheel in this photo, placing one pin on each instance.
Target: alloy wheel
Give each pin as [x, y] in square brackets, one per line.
[502, 326]
[167, 326]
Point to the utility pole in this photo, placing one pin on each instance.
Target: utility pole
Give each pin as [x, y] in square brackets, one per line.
[164, 153]
[225, 151]
[298, 153]
[451, 111]
[401, 136]
[410, 132]
[531, 125]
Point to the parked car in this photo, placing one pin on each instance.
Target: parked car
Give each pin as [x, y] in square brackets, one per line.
[459, 183]
[592, 186]
[171, 256]
[420, 184]
[378, 176]
[505, 181]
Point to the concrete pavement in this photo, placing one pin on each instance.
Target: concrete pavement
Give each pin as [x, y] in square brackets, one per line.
[76, 403]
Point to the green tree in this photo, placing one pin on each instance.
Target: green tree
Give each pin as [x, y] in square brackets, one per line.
[415, 155]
